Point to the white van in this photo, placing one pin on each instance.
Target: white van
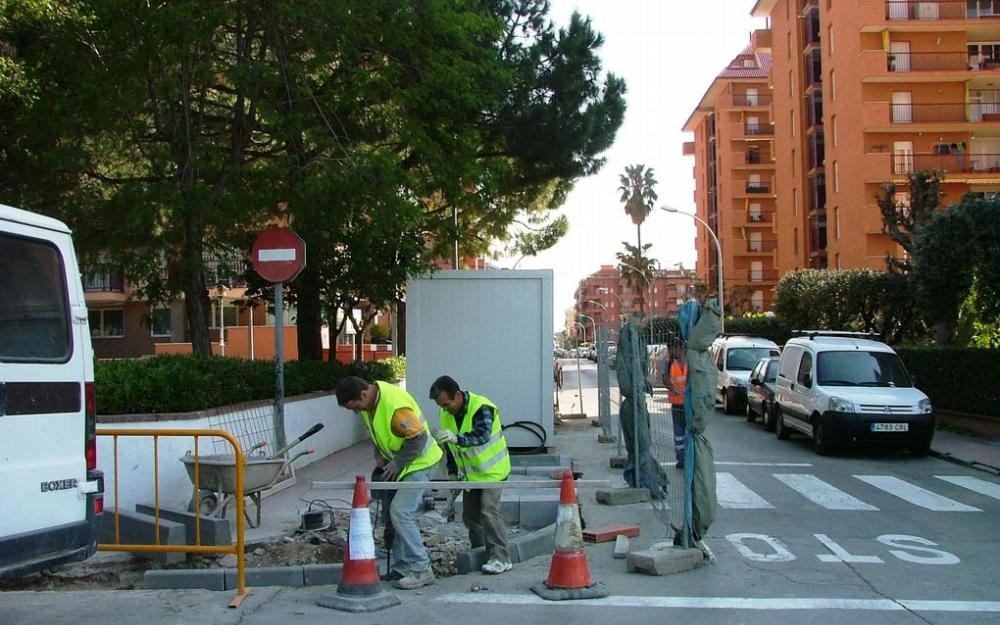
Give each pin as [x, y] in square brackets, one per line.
[51, 493]
[844, 389]
[735, 357]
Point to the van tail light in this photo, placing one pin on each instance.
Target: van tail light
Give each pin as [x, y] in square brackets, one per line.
[90, 426]
[99, 504]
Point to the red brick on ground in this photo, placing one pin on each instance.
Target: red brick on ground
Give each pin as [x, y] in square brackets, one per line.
[607, 534]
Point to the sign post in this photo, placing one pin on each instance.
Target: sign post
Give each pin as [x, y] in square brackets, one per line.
[278, 256]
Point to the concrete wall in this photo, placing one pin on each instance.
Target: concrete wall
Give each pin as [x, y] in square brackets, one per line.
[136, 454]
[492, 332]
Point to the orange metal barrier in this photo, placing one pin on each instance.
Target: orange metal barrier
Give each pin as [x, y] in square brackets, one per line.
[197, 547]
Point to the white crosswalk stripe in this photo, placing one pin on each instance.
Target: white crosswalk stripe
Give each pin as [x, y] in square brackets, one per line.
[733, 494]
[974, 484]
[822, 493]
[915, 495]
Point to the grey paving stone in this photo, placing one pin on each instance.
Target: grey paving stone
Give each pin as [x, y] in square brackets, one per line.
[663, 560]
[321, 574]
[622, 496]
[537, 543]
[538, 510]
[138, 529]
[268, 576]
[184, 579]
[213, 531]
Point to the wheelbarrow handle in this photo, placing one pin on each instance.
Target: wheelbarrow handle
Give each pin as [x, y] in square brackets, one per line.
[307, 434]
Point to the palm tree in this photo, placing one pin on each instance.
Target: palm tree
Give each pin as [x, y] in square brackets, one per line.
[637, 268]
[638, 193]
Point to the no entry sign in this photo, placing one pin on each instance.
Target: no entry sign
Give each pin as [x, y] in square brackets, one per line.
[278, 254]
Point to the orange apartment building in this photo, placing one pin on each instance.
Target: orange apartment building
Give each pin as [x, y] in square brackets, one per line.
[865, 91]
[604, 296]
[735, 186]
[858, 93]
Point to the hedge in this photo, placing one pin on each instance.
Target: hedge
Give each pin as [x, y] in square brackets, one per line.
[957, 378]
[188, 383]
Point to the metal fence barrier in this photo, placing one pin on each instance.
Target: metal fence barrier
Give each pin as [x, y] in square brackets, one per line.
[238, 467]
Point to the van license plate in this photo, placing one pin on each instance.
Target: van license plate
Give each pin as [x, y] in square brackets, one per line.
[890, 427]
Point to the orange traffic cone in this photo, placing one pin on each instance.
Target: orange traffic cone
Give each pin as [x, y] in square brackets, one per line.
[359, 589]
[569, 575]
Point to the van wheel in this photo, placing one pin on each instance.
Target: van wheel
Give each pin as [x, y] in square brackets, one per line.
[729, 405]
[768, 417]
[782, 432]
[821, 441]
[751, 416]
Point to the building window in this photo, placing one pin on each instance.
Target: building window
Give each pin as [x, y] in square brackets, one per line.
[829, 37]
[836, 261]
[757, 300]
[793, 162]
[795, 201]
[791, 121]
[836, 177]
[109, 323]
[833, 86]
[289, 319]
[791, 85]
[159, 322]
[789, 44]
[833, 124]
[230, 315]
[795, 240]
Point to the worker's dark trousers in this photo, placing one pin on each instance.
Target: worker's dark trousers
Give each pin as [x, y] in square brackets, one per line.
[481, 514]
[677, 413]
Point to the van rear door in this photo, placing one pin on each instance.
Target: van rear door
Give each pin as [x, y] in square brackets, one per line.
[46, 367]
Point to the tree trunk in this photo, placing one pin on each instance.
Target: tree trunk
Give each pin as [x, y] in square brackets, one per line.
[942, 333]
[196, 302]
[309, 317]
[642, 292]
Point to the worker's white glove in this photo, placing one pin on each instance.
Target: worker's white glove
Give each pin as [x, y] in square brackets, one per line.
[445, 436]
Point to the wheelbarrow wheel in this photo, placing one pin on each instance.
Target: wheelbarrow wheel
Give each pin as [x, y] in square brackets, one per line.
[209, 503]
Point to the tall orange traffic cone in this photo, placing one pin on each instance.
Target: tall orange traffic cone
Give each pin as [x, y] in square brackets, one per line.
[569, 575]
[359, 589]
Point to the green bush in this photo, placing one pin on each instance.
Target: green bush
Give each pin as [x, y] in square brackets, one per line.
[188, 383]
[956, 378]
[773, 328]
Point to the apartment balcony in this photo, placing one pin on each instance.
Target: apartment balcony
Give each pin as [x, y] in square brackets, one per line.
[762, 218]
[753, 247]
[924, 10]
[915, 67]
[986, 164]
[762, 275]
[752, 100]
[225, 270]
[755, 130]
[753, 159]
[945, 112]
[104, 286]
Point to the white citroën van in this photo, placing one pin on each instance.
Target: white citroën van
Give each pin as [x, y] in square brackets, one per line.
[51, 493]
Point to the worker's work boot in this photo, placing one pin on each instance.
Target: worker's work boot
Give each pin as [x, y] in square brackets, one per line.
[496, 567]
[415, 580]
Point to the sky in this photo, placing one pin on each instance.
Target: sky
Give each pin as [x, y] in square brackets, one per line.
[668, 52]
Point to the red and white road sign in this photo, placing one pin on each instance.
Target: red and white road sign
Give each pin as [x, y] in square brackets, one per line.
[278, 254]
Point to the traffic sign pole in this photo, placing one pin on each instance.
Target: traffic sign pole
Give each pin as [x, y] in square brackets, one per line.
[278, 256]
[279, 364]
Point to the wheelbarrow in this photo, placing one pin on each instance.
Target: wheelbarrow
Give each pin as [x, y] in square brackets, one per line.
[217, 476]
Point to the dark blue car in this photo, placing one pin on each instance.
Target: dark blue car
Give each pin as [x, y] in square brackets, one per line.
[760, 392]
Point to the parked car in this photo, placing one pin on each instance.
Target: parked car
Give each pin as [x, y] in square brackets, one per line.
[846, 389]
[735, 357]
[760, 392]
[612, 355]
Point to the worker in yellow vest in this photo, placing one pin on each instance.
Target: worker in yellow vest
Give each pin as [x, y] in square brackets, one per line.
[470, 426]
[406, 452]
[677, 371]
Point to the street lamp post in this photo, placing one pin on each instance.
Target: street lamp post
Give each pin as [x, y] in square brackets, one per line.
[579, 376]
[718, 257]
